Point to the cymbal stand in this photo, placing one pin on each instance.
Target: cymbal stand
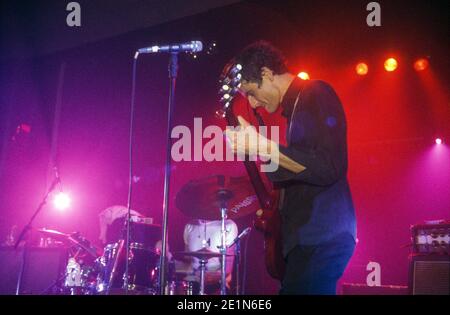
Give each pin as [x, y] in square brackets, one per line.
[202, 268]
[223, 251]
[223, 196]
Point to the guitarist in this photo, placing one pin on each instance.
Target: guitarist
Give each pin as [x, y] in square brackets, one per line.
[318, 224]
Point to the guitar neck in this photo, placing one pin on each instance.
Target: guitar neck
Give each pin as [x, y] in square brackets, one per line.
[256, 180]
[261, 191]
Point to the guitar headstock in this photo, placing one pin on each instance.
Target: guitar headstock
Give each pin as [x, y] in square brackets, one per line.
[230, 82]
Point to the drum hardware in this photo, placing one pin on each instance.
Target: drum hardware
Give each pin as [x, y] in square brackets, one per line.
[202, 275]
[203, 255]
[182, 288]
[223, 195]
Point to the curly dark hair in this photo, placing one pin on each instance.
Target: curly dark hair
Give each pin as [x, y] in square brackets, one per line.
[257, 55]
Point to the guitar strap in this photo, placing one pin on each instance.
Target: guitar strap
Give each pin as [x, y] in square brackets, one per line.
[288, 140]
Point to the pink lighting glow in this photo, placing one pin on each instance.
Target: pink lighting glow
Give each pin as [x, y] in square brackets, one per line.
[61, 201]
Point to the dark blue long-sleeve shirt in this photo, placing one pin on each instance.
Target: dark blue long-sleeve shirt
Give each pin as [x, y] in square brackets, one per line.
[317, 204]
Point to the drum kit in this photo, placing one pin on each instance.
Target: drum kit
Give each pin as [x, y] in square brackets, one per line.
[89, 272]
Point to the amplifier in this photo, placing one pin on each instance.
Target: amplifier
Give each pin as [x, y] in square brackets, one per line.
[10, 264]
[429, 274]
[431, 237]
[42, 267]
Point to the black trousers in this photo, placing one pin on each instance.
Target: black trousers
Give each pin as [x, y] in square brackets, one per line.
[316, 269]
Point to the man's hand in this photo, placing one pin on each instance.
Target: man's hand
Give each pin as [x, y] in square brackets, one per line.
[246, 140]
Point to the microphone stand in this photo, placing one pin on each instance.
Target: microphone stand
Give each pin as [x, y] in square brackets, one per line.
[28, 227]
[173, 70]
[39, 208]
[237, 254]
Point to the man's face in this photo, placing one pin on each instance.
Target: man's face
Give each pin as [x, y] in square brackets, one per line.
[266, 95]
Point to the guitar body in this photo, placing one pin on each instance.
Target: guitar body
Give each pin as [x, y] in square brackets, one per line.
[269, 223]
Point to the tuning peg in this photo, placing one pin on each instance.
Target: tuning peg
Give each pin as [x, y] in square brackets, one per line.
[225, 89]
[225, 98]
[220, 113]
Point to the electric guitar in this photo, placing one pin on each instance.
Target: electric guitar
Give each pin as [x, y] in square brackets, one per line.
[268, 220]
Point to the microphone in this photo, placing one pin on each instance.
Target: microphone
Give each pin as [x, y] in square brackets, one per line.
[193, 46]
[243, 233]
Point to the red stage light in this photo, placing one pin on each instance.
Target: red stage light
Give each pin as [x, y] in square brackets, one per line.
[361, 68]
[438, 141]
[421, 64]
[390, 64]
[303, 75]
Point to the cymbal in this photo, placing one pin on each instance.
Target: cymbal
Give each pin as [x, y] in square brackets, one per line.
[201, 254]
[73, 238]
[54, 234]
[83, 243]
[203, 198]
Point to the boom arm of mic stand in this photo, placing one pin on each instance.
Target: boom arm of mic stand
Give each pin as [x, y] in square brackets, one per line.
[39, 208]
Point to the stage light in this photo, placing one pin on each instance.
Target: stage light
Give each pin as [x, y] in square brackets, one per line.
[390, 64]
[361, 68]
[61, 201]
[438, 141]
[421, 64]
[303, 75]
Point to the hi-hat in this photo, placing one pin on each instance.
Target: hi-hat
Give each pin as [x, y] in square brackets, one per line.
[203, 254]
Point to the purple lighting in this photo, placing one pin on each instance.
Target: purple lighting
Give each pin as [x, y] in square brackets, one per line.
[61, 201]
[438, 141]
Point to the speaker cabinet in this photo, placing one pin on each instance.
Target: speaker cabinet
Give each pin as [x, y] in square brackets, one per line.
[41, 268]
[429, 274]
[10, 264]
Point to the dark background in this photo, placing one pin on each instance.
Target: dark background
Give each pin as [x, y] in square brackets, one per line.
[397, 174]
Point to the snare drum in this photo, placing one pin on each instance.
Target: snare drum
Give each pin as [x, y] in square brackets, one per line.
[79, 278]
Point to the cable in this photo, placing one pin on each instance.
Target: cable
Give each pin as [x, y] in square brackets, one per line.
[244, 273]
